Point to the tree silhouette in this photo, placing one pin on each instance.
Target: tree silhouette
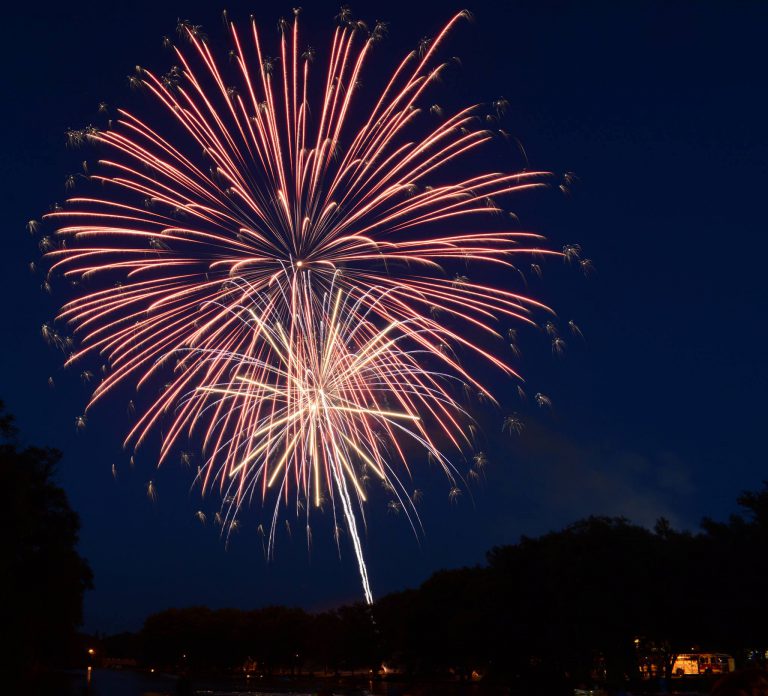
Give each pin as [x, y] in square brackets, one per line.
[593, 602]
[43, 577]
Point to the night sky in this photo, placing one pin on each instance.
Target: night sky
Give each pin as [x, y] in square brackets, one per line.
[660, 109]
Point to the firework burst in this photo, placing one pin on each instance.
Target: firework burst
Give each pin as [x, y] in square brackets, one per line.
[283, 264]
[326, 410]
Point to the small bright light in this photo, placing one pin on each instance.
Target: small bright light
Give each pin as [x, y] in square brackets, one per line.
[299, 264]
[91, 651]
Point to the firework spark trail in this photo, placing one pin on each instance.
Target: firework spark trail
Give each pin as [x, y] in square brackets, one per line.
[315, 409]
[243, 196]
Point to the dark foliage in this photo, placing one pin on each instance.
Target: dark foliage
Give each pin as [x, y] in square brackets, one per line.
[43, 577]
[583, 604]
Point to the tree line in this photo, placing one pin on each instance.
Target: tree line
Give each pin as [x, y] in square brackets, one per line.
[600, 599]
[596, 601]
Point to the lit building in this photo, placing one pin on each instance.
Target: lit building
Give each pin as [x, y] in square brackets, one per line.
[702, 663]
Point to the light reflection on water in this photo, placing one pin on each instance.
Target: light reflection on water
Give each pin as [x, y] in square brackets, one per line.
[129, 683]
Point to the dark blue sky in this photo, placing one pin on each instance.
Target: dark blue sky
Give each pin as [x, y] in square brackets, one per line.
[659, 108]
